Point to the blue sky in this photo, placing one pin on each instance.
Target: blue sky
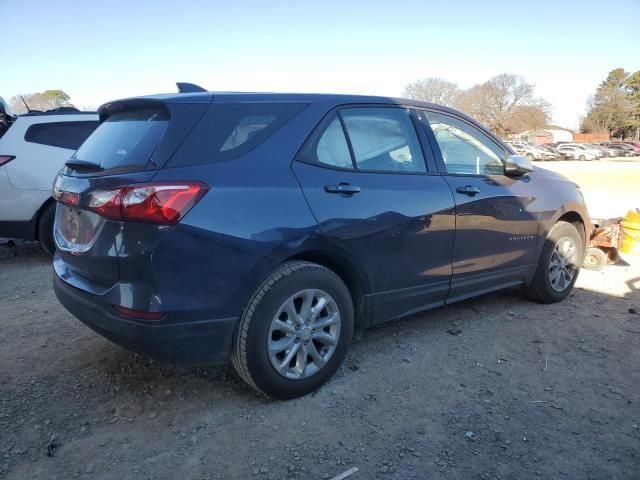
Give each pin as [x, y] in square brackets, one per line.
[100, 50]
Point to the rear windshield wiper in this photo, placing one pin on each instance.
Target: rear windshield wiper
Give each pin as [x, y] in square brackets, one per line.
[83, 165]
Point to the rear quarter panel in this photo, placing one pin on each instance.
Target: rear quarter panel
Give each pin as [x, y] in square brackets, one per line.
[253, 217]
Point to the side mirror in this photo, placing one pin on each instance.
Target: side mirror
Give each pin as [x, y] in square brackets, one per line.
[517, 165]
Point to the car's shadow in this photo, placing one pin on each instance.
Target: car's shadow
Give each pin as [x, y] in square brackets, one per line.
[133, 373]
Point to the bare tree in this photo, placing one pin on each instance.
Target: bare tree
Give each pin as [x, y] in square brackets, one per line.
[506, 104]
[47, 100]
[434, 90]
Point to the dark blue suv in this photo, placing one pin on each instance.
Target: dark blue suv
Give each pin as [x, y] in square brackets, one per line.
[264, 228]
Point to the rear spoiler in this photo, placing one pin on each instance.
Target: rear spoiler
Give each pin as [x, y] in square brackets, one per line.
[188, 93]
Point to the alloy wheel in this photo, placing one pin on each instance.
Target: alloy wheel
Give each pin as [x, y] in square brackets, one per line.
[563, 264]
[304, 334]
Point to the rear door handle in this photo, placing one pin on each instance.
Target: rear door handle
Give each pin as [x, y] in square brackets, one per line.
[343, 188]
[468, 190]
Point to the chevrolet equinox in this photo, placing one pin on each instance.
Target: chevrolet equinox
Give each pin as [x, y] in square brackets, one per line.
[263, 228]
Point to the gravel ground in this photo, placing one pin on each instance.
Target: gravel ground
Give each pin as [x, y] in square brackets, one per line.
[492, 388]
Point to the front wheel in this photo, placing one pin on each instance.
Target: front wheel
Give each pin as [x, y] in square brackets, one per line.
[295, 331]
[582, 158]
[558, 265]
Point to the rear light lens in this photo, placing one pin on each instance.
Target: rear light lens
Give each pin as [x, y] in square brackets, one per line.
[157, 202]
[138, 314]
[4, 159]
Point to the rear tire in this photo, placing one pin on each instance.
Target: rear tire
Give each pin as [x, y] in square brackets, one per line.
[45, 228]
[551, 282]
[595, 259]
[582, 158]
[266, 322]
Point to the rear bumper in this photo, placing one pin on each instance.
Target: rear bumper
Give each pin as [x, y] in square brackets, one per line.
[199, 342]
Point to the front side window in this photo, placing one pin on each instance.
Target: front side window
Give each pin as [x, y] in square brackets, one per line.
[383, 139]
[464, 148]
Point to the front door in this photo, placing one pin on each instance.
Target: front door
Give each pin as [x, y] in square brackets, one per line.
[365, 178]
[496, 222]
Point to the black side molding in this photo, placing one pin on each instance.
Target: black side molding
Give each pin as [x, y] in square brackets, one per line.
[184, 87]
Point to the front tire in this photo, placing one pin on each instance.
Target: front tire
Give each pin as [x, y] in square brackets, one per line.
[558, 265]
[45, 229]
[295, 331]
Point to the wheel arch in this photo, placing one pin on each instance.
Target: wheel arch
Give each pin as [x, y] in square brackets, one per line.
[40, 212]
[353, 277]
[572, 215]
[577, 220]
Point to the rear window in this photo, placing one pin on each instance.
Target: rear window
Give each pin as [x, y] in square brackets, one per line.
[232, 129]
[60, 134]
[125, 139]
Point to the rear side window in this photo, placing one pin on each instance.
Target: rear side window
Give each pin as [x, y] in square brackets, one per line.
[383, 139]
[125, 139]
[232, 129]
[60, 134]
[328, 146]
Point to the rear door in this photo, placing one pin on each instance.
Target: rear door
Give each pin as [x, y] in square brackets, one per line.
[365, 178]
[496, 218]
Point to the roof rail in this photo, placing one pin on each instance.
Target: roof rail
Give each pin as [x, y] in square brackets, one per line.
[184, 87]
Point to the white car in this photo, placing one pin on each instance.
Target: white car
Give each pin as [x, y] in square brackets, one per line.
[532, 152]
[33, 148]
[586, 148]
[576, 153]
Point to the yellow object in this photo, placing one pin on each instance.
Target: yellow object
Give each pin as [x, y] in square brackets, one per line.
[630, 241]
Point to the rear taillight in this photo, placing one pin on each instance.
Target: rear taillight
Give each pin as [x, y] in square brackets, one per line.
[4, 159]
[155, 202]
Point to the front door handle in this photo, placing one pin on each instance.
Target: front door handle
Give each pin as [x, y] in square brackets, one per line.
[343, 188]
[468, 190]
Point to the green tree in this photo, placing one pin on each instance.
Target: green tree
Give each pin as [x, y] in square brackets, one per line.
[47, 100]
[632, 85]
[610, 109]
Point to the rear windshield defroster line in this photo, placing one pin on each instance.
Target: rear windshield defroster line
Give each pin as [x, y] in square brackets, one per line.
[125, 139]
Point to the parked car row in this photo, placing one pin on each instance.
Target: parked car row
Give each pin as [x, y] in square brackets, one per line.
[622, 149]
[575, 151]
[534, 152]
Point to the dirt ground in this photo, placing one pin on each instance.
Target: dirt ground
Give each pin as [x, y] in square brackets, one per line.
[492, 388]
[611, 187]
